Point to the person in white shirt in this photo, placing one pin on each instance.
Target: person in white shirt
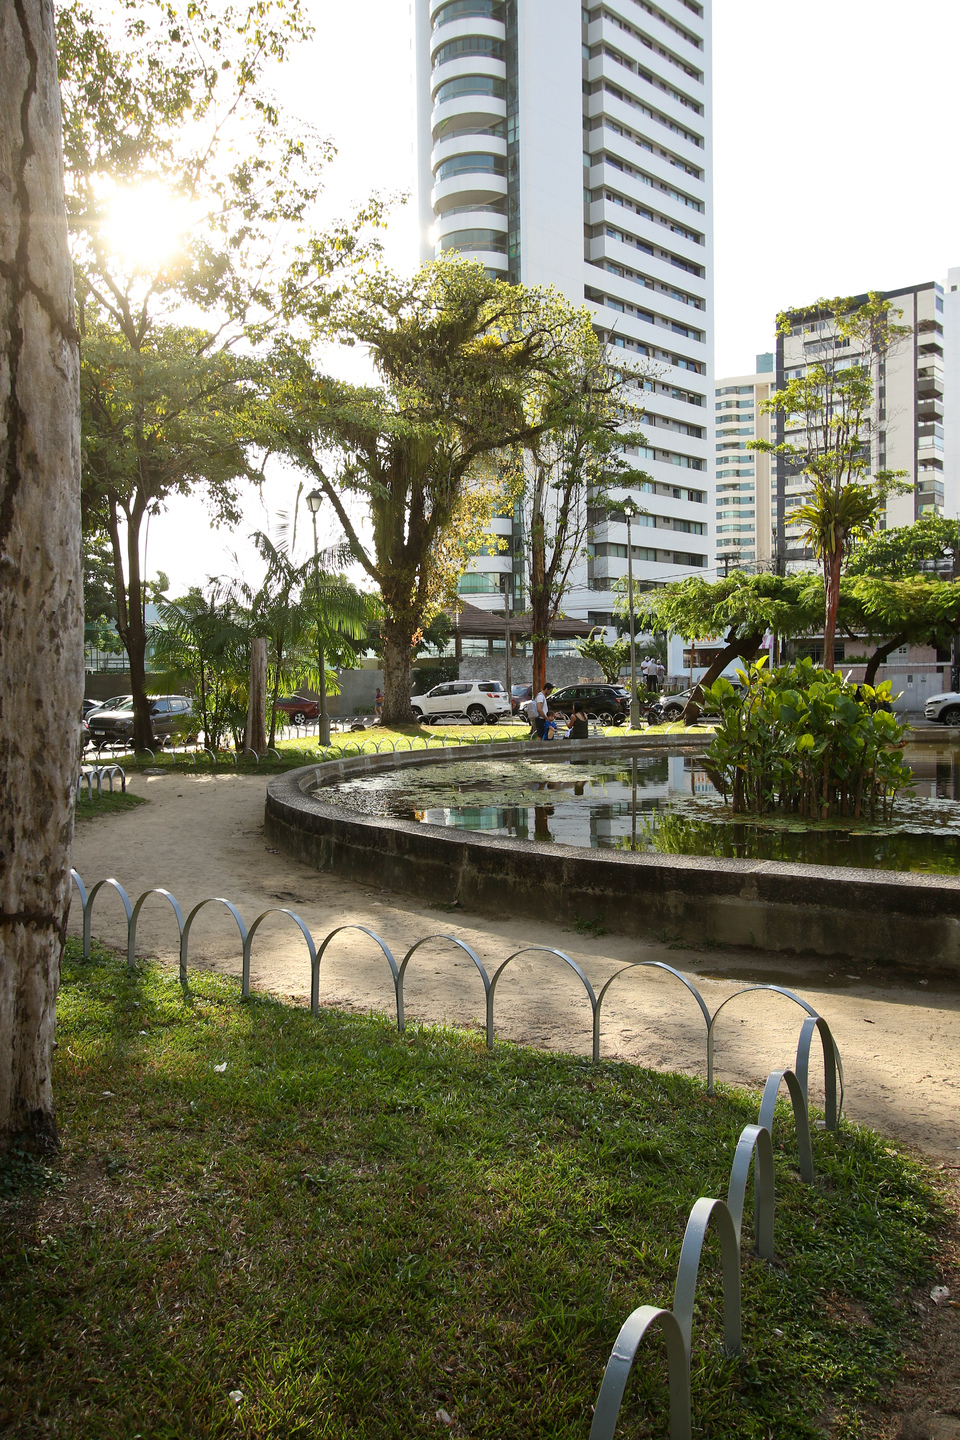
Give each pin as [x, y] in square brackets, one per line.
[542, 708]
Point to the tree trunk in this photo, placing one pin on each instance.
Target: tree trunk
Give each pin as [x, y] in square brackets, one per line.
[745, 649]
[880, 655]
[397, 648]
[41, 610]
[256, 735]
[130, 626]
[831, 590]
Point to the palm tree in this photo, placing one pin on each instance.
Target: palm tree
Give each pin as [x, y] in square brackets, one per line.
[198, 647]
[835, 517]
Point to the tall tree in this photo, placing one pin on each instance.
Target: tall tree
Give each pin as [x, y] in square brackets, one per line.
[182, 177]
[41, 609]
[739, 607]
[827, 412]
[930, 545]
[569, 470]
[469, 366]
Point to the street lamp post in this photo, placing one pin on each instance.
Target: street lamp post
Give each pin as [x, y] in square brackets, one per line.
[630, 510]
[314, 501]
[507, 607]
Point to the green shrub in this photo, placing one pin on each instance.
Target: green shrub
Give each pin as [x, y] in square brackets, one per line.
[801, 740]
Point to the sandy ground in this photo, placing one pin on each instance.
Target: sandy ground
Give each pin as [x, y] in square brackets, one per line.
[202, 836]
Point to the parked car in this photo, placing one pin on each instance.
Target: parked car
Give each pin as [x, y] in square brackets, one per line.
[481, 701]
[674, 705]
[170, 715]
[114, 703]
[944, 708]
[519, 695]
[607, 702]
[299, 708]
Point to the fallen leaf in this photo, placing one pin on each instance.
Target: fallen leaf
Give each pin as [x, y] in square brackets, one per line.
[219, 1069]
[939, 1293]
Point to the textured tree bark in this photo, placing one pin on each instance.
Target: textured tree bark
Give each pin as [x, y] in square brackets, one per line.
[41, 612]
[256, 734]
[397, 646]
[743, 649]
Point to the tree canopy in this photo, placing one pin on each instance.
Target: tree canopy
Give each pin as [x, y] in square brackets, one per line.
[468, 366]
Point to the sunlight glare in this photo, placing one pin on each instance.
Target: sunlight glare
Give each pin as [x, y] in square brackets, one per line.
[145, 225]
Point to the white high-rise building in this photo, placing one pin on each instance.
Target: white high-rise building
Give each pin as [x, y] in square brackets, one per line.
[744, 535]
[570, 146]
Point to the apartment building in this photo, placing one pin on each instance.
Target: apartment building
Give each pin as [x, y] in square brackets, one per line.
[570, 146]
[743, 506]
[906, 427]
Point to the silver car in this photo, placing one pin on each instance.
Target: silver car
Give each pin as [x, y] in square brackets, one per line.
[169, 715]
[945, 708]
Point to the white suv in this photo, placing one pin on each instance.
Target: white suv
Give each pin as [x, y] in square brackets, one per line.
[945, 708]
[483, 702]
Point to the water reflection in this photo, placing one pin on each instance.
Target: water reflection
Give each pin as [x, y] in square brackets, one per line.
[665, 803]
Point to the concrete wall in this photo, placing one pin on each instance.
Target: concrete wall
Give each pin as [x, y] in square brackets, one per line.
[561, 669]
[909, 921]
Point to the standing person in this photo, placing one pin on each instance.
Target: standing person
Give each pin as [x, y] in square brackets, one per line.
[542, 708]
[378, 704]
[661, 676]
[651, 673]
[529, 710]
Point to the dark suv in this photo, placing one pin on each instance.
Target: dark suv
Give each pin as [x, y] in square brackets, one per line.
[607, 702]
[169, 715]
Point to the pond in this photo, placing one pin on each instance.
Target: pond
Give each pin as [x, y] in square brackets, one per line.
[662, 803]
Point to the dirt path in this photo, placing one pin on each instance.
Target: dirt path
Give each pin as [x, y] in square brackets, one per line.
[202, 836]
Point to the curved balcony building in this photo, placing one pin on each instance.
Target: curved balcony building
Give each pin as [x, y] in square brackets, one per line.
[567, 143]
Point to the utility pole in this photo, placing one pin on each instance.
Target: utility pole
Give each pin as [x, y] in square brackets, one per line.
[507, 607]
[314, 501]
[629, 510]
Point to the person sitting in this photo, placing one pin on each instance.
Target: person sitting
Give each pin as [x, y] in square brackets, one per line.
[550, 726]
[578, 726]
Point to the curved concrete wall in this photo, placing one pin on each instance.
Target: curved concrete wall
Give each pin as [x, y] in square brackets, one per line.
[881, 916]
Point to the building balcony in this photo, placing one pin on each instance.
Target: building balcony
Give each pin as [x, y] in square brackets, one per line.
[469, 189]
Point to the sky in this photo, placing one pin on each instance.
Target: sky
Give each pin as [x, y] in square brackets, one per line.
[835, 124]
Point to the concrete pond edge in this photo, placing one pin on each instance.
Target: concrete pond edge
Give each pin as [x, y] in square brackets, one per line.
[892, 918]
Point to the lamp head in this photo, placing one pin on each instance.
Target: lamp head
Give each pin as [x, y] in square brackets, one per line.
[630, 508]
[314, 501]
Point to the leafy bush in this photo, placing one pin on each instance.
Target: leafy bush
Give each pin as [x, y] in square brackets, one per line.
[801, 740]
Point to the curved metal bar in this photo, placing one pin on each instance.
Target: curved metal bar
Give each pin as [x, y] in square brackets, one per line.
[640, 965]
[607, 1409]
[801, 1116]
[542, 950]
[747, 989]
[314, 962]
[185, 933]
[702, 1213]
[754, 1141]
[271, 751]
[88, 909]
[205, 750]
[364, 930]
[132, 922]
[832, 1068]
[450, 940]
[146, 751]
[89, 779]
[110, 771]
[77, 879]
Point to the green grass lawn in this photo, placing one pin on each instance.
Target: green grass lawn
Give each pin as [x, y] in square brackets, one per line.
[356, 1230]
[305, 750]
[107, 803]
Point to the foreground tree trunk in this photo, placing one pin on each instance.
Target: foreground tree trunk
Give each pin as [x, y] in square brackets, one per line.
[256, 732]
[735, 649]
[41, 611]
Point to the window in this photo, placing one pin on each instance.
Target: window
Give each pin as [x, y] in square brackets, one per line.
[469, 45]
[471, 165]
[470, 85]
[464, 9]
[479, 582]
[467, 240]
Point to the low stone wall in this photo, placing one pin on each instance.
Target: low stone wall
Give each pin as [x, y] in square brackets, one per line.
[874, 916]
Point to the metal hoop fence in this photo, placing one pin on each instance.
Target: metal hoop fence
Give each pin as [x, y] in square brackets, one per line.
[813, 1023]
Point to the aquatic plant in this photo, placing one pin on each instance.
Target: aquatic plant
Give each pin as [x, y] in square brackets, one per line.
[801, 740]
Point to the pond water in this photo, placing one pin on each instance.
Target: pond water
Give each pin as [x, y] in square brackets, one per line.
[662, 803]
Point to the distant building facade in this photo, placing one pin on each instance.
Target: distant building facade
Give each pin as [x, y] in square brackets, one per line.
[743, 476]
[570, 145]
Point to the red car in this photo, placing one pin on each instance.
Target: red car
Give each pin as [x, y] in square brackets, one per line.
[299, 708]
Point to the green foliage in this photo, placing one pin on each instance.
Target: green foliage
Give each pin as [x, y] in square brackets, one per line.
[469, 366]
[738, 605]
[354, 1229]
[800, 740]
[199, 648]
[900, 553]
[610, 658]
